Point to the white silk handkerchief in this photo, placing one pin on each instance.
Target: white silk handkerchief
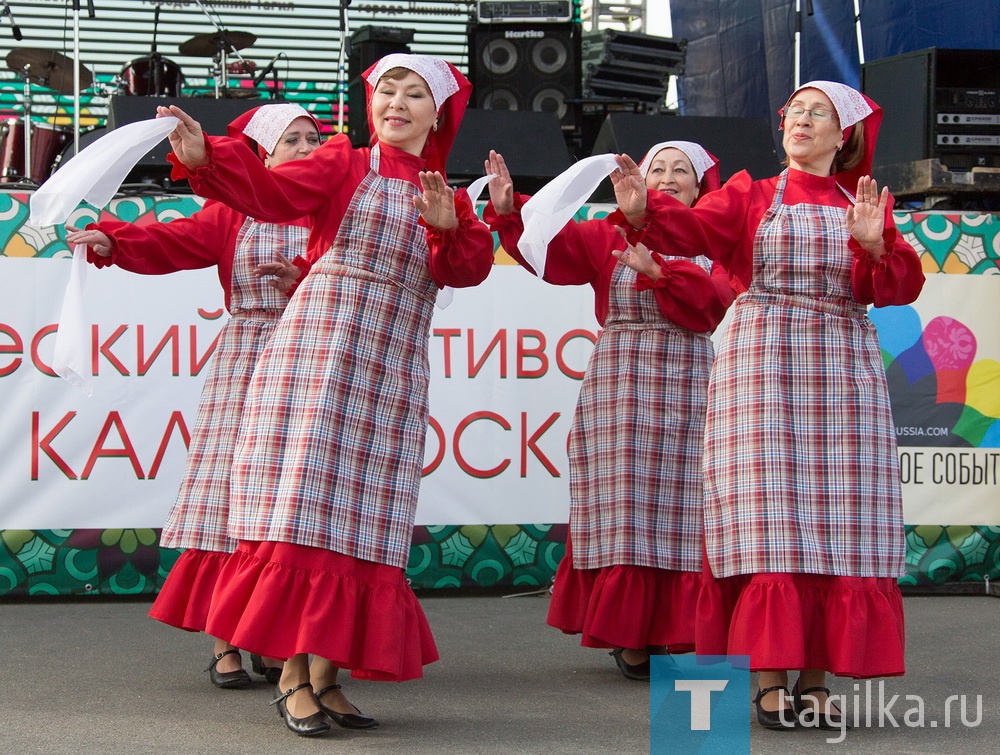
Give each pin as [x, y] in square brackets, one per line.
[556, 203]
[96, 174]
[72, 352]
[447, 294]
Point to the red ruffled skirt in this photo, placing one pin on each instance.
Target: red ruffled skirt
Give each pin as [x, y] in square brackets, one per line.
[848, 626]
[186, 595]
[280, 599]
[625, 606]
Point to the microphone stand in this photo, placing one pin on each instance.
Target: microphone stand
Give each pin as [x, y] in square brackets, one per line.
[154, 56]
[341, 78]
[76, 71]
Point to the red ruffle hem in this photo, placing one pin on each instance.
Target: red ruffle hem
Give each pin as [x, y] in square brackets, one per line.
[186, 594]
[625, 606]
[280, 599]
[848, 626]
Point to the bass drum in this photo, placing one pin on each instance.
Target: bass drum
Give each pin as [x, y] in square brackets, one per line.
[86, 138]
[148, 77]
[47, 142]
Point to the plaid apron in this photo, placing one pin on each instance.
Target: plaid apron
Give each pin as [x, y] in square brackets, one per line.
[200, 515]
[801, 471]
[332, 446]
[635, 447]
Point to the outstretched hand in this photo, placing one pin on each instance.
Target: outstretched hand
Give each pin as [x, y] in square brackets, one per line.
[630, 190]
[187, 140]
[285, 272]
[96, 240]
[501, 187]
[437, 203]
[637, 257]
[865, 219]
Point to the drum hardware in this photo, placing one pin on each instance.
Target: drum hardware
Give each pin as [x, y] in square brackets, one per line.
[217, 46]
[48, 69]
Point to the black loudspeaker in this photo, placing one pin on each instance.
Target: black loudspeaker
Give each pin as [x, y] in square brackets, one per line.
[368, 45]
[525, 66]
[738, 143]
[213, 115]
[937, 104]
[532, 145]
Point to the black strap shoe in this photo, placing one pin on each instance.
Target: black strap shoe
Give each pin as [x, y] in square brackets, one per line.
[308, 726]
[810, 717]
[238, 679]
[638, 672]
[346, 720]
[271, 673]
[781, 719]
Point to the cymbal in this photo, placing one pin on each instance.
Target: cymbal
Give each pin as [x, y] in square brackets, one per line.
[48, 68]
[207, 45]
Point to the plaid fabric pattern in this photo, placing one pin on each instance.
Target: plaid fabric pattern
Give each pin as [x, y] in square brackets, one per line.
[801, 471]
[200, 515]
[332, 445]
[635, 447]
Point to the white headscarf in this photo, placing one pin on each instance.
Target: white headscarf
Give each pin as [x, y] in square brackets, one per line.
[434, 71]
[270, 121]
[851, 107]
[700, 159]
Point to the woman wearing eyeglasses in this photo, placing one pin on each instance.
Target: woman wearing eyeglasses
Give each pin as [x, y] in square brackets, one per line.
[803, 513]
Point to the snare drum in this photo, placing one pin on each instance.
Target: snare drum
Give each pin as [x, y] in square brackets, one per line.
[139, 78]
[47, 142]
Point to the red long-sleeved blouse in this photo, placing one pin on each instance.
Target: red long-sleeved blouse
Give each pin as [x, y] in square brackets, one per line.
[723, 226]
[581, 254]
[321, 187]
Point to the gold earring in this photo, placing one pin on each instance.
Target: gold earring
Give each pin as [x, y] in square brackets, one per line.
[435, 126]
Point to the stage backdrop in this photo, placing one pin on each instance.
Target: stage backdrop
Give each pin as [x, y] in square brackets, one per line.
[87, 481]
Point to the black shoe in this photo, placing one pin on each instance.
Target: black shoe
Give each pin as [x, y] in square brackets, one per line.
[271, 673]
[781, 719]
[238, 679]
[309, 726]
[811, 718]
[639, 672]
[346, 720]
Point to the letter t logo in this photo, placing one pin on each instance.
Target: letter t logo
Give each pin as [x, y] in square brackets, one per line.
[701, 699]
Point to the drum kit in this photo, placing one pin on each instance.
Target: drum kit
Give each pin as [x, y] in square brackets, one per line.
[42, 146]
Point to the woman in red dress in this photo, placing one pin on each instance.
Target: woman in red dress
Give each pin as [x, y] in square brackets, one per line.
[236, 244]
[630, 577]
[328, 463]
[803, 511]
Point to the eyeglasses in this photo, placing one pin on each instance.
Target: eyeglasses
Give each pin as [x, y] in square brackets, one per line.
[817, 114]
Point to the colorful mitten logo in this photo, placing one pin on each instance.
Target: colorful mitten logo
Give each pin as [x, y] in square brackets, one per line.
[940, 395]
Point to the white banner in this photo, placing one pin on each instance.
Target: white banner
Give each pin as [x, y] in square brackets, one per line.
[506, 361]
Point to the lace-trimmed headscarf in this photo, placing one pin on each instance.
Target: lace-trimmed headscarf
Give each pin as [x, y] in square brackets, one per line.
[449, 88]
[262, 127]
[705, 164]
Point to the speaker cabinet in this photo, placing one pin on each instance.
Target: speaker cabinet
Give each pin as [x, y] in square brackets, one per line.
[937, 104]
[525, 66]
[738, 143]
[367, 46]
[532, 146]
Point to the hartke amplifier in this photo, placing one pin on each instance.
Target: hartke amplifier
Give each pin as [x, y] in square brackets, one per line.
[525, 66]
[498, 11]
[938, 104]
